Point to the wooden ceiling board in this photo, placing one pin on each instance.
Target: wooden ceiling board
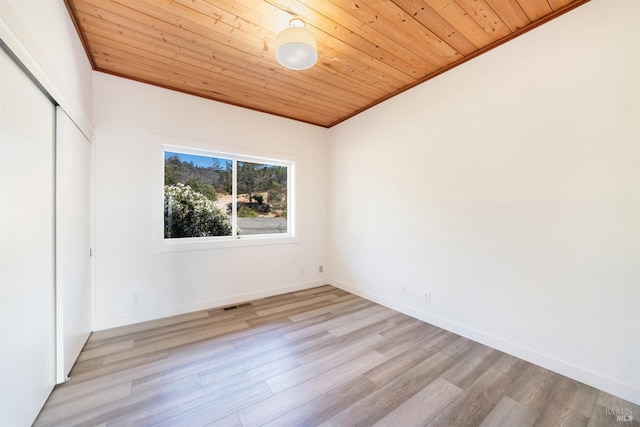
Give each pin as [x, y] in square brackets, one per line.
[162, 44]
[391, 52]
[376, 73]
[387, 18]
[511, 13]
[368, 50]
[485, 17]
[535, 9]
[558, 4]
[194, 78]
[425, 15]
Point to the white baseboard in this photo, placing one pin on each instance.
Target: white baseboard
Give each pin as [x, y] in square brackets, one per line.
[610, 385]
[203, 305]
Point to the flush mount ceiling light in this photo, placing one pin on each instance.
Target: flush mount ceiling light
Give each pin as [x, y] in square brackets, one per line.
[296, 47]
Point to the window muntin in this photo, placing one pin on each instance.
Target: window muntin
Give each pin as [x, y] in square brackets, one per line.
[215, 196]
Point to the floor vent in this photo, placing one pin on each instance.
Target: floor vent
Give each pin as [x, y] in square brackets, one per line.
[233, 307]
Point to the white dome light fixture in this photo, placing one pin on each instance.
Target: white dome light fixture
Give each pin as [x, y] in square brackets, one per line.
[296, 47]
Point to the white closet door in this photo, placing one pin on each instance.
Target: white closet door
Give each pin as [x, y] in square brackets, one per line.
[73, 241]
[27, 247]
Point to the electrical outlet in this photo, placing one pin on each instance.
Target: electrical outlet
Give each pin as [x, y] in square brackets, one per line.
[403, 289]
[427, 297]
[135, 298]
[320, 269]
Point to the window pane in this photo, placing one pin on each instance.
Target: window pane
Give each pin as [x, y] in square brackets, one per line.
[197, 195]
[261, 198]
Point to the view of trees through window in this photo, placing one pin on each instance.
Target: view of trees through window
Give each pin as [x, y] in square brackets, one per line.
[198, 196]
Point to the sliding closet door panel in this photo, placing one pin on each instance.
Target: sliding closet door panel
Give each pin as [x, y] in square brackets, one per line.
[27, 247]
[73, 242]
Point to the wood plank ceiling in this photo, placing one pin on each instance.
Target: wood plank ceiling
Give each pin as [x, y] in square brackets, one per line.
[368, 50]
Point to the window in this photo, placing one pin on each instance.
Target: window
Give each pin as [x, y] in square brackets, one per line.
[211, 196]
[261, 198]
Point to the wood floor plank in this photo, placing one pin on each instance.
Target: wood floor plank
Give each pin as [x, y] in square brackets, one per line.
[133, 363]
[230, 421]
[144, 327]
[344, 341]
[241, 375]
[319, 410]
[337, 321]
[423, 406]
[407, 360]
[345, 302]
[476, 362]
[533, 387]
[391, 395]
[476, 402]
[160, 404]
[62, 413]
[72, 390]
[576, 396]
[285, 314]
[167, 366]
[312, 368]
[404, 336]
[173, 340]
[294, 305]
[556, 414]
[147, 401]
[508, 410]
[281, 403]
[208, 408]
[100, 351]
[363, 322]
[460, 348]
[319, 356]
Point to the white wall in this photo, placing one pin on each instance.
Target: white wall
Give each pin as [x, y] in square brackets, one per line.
[127, 115]
[508, 188]
[41, 34]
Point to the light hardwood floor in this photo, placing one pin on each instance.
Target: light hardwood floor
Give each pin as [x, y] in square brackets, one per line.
[316, 357]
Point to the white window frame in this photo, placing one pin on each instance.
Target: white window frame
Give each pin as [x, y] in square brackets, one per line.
[161, 144]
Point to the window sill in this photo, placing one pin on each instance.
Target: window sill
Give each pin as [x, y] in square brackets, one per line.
[200, 243]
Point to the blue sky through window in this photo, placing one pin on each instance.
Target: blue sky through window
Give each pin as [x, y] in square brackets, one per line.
[201, 161]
